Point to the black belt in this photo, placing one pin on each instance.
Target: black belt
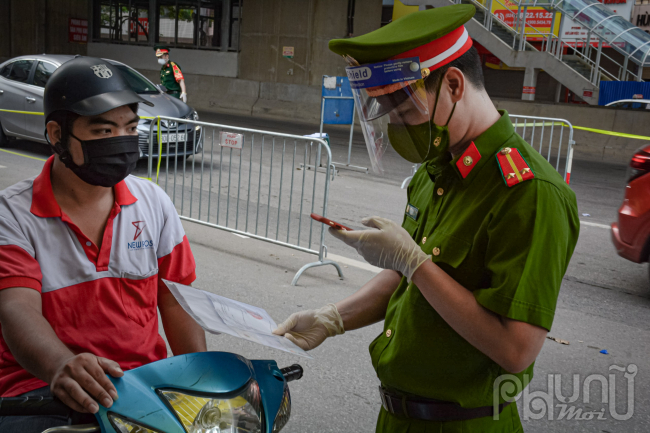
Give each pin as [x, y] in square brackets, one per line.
[432, 410]
[173, 92]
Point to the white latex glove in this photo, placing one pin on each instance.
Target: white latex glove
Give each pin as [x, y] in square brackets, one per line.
[308, 329]
[184, 97]
[390, 247]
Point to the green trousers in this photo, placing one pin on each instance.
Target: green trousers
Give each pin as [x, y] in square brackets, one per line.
[508, 422]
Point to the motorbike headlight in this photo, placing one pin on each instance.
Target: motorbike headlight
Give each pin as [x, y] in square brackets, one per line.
[282, 418]
[201, 414]
[122, 425]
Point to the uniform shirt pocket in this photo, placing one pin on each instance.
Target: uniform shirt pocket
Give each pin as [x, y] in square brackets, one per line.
[446, 250]
[450, 254]
[139, 294]
[410, 225]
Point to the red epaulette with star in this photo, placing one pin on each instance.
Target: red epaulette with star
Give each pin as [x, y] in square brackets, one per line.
[513, 166]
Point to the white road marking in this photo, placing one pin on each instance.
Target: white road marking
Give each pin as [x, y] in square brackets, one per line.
[2, 166]
[356, 263]
[602, 226]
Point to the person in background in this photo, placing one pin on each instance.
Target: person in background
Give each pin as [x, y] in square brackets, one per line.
[171, 75]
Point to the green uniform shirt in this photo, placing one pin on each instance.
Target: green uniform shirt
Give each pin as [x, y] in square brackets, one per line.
[170, 75]
[509, 246]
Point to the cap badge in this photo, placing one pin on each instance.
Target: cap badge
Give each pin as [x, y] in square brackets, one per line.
[437, 141]
[351, 60]
[102, 71]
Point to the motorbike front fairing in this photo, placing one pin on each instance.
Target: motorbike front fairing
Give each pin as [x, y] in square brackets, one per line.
[210, 392]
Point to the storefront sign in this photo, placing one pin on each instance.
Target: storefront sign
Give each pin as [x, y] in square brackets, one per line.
[576, 35]
[641, 17]
[78, 30]
[529, 90]
[287, 52]
[142, 25]
[587, 93]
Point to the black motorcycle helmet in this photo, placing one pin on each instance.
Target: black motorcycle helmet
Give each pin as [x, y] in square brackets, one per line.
[87, 86]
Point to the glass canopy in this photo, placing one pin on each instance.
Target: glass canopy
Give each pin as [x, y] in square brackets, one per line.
[615, 31]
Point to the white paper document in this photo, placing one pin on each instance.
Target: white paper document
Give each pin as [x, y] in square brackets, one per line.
[217, 314]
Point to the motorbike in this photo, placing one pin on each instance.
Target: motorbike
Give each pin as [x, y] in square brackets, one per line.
[208, 392]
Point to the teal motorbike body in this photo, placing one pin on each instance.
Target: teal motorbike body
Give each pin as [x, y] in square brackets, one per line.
[209, 374]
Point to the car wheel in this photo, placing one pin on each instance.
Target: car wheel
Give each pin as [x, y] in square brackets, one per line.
[4, 140]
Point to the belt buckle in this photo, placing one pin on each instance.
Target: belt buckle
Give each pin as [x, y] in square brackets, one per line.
[386, 403]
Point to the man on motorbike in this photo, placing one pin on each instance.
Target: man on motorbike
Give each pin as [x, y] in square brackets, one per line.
[83, 251]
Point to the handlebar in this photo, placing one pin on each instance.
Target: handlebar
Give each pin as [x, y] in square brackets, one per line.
[38, 405]
[32, 406]
[293, 372]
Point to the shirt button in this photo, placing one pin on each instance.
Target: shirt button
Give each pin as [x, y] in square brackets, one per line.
[436, 251]
[424, 240]
[389, 333]
[441, 191]
[89, 243]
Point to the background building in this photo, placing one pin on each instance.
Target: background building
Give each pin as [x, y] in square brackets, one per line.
[263, 57]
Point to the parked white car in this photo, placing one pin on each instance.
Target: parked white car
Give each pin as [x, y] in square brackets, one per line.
[632, 104]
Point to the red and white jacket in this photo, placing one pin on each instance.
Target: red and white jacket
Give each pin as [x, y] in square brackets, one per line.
[102, 301]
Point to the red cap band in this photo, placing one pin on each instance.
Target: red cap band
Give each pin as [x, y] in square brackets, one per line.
[441, 51]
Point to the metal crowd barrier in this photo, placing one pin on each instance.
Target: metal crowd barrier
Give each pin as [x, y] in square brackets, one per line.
[551, 137]
[245, 181]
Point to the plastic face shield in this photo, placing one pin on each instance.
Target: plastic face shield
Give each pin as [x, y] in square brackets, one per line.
[392, 104]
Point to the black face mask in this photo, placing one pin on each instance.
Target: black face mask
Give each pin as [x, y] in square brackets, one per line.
[107, 161]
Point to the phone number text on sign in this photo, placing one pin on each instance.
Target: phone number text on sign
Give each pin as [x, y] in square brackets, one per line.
[232, 140]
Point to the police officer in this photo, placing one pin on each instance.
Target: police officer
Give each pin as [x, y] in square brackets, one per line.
[471, 277]
[170, 74]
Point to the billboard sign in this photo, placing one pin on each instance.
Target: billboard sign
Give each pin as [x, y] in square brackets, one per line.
[575, 34]
[538, 19]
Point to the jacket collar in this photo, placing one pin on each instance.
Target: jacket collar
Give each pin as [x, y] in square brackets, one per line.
[44, 203]
[484, 147]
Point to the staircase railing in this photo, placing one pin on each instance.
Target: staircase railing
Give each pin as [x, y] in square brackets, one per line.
[557, 48]
[551, 43]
